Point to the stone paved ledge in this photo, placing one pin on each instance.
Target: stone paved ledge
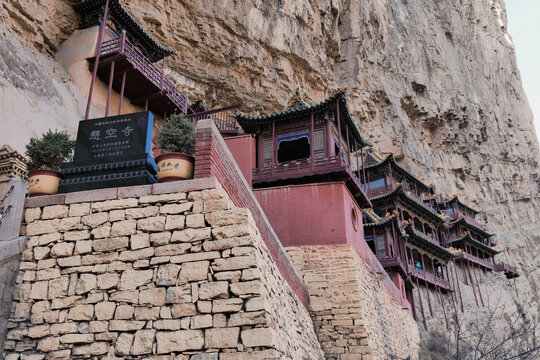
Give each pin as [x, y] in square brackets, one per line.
[122, 192]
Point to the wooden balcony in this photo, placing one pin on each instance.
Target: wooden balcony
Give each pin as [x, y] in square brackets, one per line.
[380, 190]
[476, 260]
[145, 83]
[305, 171]
[430, 278]
[509, 270]
[394, 263]
[222, 117]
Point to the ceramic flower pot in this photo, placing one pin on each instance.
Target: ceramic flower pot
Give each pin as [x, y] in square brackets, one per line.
[43, 182]
[174, 166]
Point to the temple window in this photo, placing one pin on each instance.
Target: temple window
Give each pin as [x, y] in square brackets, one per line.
[293, 146]
[370, 240]
[267, 152]
[418, 225]
[374, 184]
[380, 245]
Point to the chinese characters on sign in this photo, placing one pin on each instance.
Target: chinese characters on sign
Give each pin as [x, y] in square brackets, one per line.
[121, 135]
[115, 129]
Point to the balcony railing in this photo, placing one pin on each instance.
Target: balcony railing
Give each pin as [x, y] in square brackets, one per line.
[477, 260]
[297, 167]
[122, 46]
[509, 270]
[223, 118]
[429, 277]
[380, 190]
[392, 262]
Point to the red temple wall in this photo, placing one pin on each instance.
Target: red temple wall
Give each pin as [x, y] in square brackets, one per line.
[243, 150]
[312, 214]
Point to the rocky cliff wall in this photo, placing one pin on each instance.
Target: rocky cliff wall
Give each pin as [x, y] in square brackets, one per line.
[435, 81]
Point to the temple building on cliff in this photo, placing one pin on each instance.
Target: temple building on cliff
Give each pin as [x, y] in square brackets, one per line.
[201, 266]
[313, 153]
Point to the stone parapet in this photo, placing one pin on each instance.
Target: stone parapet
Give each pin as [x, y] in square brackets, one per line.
[354, 314]
[160, 271]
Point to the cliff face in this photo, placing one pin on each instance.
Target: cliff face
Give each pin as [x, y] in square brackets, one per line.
[435, 81]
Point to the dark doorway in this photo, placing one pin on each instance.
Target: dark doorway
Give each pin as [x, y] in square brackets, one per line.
[296, 149]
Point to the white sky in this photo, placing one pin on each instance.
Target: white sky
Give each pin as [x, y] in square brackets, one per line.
[524, 28]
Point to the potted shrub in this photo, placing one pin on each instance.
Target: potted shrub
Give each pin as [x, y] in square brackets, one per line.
[45, 155]
[177, 139]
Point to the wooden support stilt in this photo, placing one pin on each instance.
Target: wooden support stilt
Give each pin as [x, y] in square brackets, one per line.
[122, 89]
[421, 303]
[472, 282]
[441, 300]
[97, 55]
[109, 89]
[478, 285]
[458, 287]
[464, 274]
[146, 104]
[429, 299]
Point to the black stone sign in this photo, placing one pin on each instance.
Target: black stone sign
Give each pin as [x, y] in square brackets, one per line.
[111, 152]
[103, 138]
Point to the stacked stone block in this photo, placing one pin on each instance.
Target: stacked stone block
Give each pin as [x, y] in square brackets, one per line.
[181, 275]
[354, 315]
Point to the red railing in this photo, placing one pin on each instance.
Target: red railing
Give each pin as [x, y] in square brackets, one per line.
[477, 260]
[380, 190]
[297, 167]
[473, 221]
[222, 117]
[140, 62]
[431, 278]
[505, 267]
[395, 261]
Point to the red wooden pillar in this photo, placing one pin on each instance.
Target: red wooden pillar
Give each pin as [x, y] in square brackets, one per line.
[329, 144]
[363, 168]
[273, 146]
[96, 56]
[311, 140]
[109, 90]
[122, 41]
[348, 145]
[162, 72]
[340, 157]
[146, 105]
[357, 162]
[122, 90]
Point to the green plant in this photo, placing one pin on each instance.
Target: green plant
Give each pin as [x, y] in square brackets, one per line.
[49, 151]
[177, 135]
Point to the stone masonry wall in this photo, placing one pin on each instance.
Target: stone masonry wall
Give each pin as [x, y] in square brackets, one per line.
[8, 271]
[160, 271]
[355, 316]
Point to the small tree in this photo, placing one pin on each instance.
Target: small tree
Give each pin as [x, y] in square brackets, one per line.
[177, 135]
[49, 151]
